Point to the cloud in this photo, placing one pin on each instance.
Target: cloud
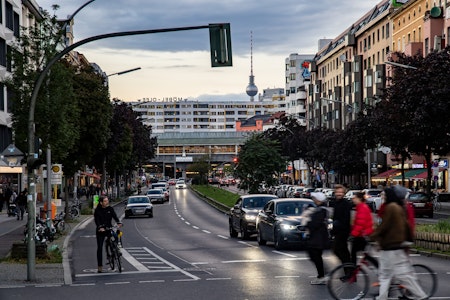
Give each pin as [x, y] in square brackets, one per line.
[178, 62]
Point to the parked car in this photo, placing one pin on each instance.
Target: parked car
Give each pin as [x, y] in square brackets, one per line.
[242, 216]
[156, 195]
[370, 195]
[423, 204]
[280, 222]
[298, 191]
[180, 184]
[307, 192]
[138, 206]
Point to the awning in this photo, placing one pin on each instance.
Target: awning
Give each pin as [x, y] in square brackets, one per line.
[421, 176]
[96, 176]
[386, 174]
[409, 174]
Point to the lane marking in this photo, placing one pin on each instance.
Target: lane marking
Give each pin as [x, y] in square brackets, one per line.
[206, 231]
[223, 237]
[133, 261]
[117, 283]
[151, 281]
[283, 253]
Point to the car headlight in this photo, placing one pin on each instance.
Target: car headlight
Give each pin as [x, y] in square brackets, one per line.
[288, 227]
[250, 217]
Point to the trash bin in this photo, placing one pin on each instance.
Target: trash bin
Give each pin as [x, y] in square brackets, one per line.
[53, 210]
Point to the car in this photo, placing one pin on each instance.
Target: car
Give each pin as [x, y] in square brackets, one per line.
[307, 192]
[280, 222]
[160, 184]
[422, 203]
[138, 206]
[297, 192]
[166, 192]
[242, 216]
[172, 181]
[370, 195]
[180, 184]
[156, 195]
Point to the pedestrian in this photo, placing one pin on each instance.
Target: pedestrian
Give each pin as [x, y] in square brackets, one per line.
[318, 235]
[341, 224]
[362, 225]
[2, 199]
[103, 216]
[393, 235]
[22, 203]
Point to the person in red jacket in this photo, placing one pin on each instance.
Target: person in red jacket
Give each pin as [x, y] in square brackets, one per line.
[362, 225]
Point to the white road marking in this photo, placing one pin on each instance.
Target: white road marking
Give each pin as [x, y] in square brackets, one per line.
[133, 261]
[206, 231]
[247, 244]
[287, 276]
[282, 253]
[200, 263]
[87, 236]
[195, 227]
[151, 281]
[82, 284]
[172, 265]
[116, 283]
[224, 278]
[223, 237]
[242, 261]
[187, 223]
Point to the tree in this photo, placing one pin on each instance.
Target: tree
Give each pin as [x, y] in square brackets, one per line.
[259, 161]
[201, 167]
[421, 101]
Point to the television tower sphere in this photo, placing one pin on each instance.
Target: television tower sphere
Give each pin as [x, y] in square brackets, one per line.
[252, 89]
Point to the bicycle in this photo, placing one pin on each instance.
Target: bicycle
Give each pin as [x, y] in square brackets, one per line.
[75, 209]
[348, 281]
[436, 203]
[113, 244]
[60, 224]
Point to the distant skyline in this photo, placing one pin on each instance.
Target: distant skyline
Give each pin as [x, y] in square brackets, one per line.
[177, 64]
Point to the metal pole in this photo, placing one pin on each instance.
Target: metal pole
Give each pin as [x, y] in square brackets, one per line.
[31, 247]
[49, 185]
[368, 169]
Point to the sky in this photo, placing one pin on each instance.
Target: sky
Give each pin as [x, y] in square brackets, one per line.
[177, 64]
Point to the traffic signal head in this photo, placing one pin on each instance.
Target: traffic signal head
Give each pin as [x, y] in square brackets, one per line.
[235, 160]
[37, 147]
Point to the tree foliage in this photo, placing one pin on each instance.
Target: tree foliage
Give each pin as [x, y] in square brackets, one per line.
[259, 161]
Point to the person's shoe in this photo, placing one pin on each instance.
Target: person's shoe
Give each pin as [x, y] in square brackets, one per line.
[99, 270]
[319, 281]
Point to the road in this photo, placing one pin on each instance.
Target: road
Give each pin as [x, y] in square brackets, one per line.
[185, 252]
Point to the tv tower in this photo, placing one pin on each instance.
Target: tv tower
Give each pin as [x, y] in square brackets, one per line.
[251, 90]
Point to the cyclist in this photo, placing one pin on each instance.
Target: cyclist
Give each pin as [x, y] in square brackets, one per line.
[103, 215]
[393, 235]
[362, 225]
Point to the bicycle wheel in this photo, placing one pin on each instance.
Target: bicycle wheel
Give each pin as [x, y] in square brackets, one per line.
[74, 212]
[118, 257]
[427, 280]
[353, 286]
[437, 206]
[112, 257]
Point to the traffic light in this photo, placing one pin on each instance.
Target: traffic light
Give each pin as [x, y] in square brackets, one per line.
[235, 160]
[220, 44]
[37, 147]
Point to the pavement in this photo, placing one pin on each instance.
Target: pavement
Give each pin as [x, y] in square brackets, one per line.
[15, 274]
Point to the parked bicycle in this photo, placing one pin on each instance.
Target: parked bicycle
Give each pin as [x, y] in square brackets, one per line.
[348, 281]
[113, 245]
[75, 209]
[60, 224]
[436, 203]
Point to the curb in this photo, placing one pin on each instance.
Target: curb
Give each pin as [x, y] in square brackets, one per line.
[431, 254]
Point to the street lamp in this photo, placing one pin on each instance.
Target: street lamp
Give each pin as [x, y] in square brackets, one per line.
[124, 72]
[399, 65]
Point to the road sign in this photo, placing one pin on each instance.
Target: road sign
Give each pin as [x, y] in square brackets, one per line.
[56, 175]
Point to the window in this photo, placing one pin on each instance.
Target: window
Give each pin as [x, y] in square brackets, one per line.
[368, 81]
[16, 25]
[9, 15]
[387, 30]
[2, 97]
[2, 52]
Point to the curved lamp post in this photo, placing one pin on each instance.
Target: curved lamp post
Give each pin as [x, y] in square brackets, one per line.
[31, 125]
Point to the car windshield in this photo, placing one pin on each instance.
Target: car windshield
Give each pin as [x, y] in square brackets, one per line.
[180, 181]
[138, 200]
[418, 197]
[256, 202]
[373, 193]
[154, 192]
[292, 208]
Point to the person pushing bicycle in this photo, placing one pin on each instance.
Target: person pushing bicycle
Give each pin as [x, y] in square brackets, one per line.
[393, 236]
[103, 216]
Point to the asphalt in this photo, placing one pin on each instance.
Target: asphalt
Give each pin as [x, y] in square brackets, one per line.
[16, 274]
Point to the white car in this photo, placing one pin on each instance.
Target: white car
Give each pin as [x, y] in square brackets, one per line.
[180, 184]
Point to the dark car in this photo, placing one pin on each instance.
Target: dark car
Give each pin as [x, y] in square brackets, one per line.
[280, 222]
[423, 204]
[242, 216]
[138, 206]
[156, 195]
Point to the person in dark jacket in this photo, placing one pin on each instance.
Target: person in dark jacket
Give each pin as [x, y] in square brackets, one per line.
[318, 235]
[103, 216]
[22, 203]
[341, 224]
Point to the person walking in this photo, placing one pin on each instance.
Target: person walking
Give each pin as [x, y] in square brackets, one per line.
[362, 225]
[393, 236]
[22, 203]
[318, 235]
[341, 224]
[103, 216]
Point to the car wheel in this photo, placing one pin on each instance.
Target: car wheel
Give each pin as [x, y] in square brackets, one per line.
[279, 243]
[150, 215]
[233, 233]
[430, 215]
[126, 216]
[261, 241]
[244, 232]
